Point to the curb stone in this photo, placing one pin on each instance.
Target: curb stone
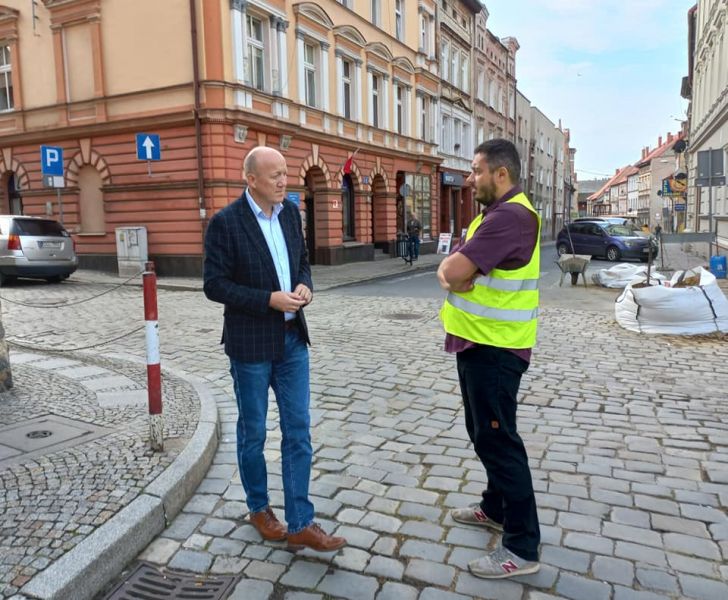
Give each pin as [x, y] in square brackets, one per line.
[98, 560]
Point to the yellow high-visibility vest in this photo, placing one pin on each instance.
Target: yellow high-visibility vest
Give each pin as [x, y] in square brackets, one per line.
[502, 308]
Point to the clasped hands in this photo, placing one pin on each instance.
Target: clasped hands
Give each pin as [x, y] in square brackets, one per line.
[290, 302]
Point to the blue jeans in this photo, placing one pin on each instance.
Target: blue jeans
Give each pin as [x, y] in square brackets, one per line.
[289, 378]
[415, 246]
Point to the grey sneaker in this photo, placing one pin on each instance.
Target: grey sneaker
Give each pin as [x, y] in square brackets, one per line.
[474, 515]
[502, 563]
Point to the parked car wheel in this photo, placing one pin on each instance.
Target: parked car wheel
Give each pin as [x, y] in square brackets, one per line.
[644, 259]
[562, 249]
[3, 279]
[54, 279]
[613, 253]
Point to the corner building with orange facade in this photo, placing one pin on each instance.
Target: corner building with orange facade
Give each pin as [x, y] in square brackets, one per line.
[214, 78]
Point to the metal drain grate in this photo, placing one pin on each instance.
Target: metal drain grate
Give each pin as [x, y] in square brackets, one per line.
[403, 316]
[145, 582]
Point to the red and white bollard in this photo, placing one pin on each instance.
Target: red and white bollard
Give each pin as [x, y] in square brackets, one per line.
[154, 372]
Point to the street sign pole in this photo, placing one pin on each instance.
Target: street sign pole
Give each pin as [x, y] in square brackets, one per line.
[710, 199]
[60, 207]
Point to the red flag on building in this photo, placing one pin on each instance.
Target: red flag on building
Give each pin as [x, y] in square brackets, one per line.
[349, 163]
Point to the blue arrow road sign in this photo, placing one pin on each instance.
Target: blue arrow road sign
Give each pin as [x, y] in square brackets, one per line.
[148, 147]
[51, 159]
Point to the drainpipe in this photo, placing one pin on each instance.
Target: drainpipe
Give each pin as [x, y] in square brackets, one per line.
[198, 124]
[515, 111]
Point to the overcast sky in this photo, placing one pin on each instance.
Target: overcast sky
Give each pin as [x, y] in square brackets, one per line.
[611, 70]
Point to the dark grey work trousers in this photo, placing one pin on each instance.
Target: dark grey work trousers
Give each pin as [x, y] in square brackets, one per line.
[489, 382]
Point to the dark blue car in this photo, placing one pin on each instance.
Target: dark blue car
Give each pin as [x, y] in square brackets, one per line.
[605, 240]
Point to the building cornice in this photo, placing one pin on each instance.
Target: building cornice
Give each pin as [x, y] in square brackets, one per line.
[71, 12]
[8, 24]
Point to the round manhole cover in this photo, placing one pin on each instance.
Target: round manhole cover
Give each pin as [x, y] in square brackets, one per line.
[41, 433]
[403, 316]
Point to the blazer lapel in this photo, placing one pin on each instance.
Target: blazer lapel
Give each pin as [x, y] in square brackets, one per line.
[252, 228]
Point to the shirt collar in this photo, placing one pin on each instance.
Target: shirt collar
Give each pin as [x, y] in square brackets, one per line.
[257, 211]
[509, 195]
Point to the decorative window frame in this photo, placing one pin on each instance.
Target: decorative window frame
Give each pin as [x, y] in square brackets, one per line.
[403, 71]
[9, 37]
[345, 37]
[430, 114]
[67, 13]
[400, 33]
[310, 20]
[275, 71]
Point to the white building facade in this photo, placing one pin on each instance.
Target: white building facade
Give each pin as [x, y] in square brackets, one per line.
[707, 88]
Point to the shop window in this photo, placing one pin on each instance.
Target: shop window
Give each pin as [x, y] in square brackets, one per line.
[418, 199]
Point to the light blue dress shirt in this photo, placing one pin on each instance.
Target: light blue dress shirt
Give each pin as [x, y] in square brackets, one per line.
[273, 234]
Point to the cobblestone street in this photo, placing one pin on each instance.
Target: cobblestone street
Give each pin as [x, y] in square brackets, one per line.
[627, 437]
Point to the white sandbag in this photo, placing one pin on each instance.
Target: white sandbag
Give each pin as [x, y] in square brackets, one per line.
[619, 276]
[662, 308]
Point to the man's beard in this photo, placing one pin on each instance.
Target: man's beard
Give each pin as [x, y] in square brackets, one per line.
[486, 196]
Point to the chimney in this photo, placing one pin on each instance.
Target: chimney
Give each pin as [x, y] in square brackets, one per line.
[669, 137]
[643, 153]
[659, 141]
[616, 171]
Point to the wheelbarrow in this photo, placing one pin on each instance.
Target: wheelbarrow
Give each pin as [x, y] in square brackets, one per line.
[575, 265]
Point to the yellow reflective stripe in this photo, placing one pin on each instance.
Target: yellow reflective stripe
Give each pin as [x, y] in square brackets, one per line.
[507, 285]
[488, 312]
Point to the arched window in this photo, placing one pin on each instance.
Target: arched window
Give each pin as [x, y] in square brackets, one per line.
[347, 205]
[91, 202]
[15, 200]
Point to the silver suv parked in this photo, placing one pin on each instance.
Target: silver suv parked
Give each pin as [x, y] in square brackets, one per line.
[35, 247]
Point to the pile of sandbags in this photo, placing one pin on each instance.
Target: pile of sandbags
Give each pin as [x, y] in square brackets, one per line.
[621, 275]
[690, 303]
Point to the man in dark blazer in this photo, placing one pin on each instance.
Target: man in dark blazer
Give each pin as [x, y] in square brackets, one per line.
[256, 265]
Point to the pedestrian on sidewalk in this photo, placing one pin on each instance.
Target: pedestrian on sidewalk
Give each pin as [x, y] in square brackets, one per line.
[658, 231]
[414, 228]
[490, 316]
[256, 265]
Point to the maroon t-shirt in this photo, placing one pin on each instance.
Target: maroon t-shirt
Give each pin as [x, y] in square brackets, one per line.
[504, 240]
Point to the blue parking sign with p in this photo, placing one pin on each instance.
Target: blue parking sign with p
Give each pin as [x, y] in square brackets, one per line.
[51, 158]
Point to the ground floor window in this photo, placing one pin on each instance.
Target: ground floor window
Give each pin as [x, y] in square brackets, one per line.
[15, 200]
[417, 199]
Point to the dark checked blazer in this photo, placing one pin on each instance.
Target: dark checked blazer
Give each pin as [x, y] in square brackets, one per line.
[239, 273]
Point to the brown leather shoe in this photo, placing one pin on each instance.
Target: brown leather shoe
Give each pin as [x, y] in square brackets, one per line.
[268, 525]
[315, 538]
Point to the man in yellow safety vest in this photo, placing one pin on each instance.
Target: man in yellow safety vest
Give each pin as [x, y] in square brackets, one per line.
[490, 316]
